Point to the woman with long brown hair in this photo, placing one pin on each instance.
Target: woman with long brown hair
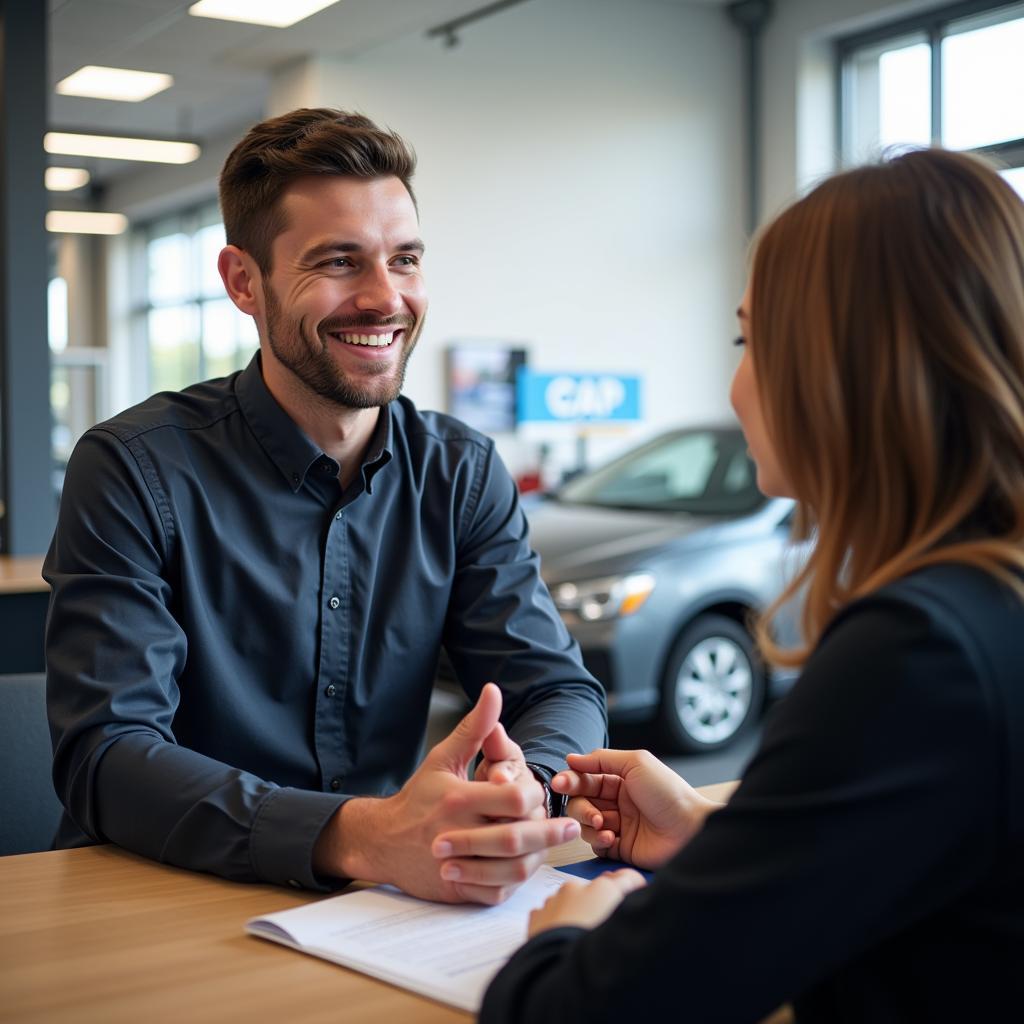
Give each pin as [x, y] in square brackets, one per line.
[870, 865]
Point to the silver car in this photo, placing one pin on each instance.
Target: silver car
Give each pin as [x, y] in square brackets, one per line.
[656, 562]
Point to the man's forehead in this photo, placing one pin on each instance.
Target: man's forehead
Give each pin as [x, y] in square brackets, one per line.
[335, 193]
[318, 211]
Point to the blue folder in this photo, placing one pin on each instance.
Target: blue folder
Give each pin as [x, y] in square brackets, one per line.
[598, 866]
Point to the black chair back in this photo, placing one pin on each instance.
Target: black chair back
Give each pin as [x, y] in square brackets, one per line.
[29, 808]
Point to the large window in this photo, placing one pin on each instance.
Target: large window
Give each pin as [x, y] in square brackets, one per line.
[954, 77]
[193, 331]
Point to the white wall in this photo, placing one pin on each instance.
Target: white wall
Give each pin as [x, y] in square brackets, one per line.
[580, 184]
[798, 88]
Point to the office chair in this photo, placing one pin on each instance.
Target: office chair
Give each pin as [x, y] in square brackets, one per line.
[29, 808]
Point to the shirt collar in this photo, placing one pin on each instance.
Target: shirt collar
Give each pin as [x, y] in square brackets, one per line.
[379, 450]
[288, 447]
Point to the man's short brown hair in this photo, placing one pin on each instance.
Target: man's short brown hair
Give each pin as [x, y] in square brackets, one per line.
[305, 142]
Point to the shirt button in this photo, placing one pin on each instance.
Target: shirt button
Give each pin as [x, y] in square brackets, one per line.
[294, 884]
[334, 602]
[331, 690]
[337, 515]
[335, 784]
[295, 478]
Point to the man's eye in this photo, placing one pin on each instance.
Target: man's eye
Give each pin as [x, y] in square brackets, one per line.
[337, 262]
[739, 340]
[405, 261]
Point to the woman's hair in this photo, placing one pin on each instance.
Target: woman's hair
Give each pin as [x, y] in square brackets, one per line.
[887, 335]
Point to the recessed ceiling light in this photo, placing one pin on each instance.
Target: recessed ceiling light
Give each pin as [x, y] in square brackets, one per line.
[116, 147]
[64, 179]
[114, 84]
[259, 12]
[82, 222]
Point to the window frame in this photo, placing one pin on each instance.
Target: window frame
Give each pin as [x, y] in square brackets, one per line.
[933, 25]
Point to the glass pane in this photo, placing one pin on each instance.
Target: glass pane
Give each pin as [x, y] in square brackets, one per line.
[173, 347]
[75, 405]
[695, 471]
[57, 314]
[60, 410]
[888, 98]
[209, 242]
[1015, 176]
[905, 95]
[226, 341]
[983, 85]
[169, 269]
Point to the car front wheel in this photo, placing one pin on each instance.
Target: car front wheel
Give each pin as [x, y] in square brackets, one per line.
[713, 687]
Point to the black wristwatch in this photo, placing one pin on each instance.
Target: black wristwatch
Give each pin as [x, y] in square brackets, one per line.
[554, 802]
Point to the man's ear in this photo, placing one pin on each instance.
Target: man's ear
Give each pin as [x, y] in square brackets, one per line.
[241, 277]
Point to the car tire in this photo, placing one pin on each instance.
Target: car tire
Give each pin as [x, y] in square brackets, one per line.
[713, 687]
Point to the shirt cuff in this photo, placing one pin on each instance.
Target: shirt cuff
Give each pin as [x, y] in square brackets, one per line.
[286, 828]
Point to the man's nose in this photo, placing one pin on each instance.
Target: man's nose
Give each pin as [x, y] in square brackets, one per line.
[377, 292]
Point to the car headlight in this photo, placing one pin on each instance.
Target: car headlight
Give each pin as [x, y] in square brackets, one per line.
[609, 598]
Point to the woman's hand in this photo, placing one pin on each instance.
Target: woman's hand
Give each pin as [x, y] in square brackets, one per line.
[585, 904]
[631, 806]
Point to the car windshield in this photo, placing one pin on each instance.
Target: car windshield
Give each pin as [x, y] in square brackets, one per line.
[705, 472]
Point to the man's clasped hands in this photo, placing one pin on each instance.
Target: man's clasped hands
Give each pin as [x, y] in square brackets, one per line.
[446, 837]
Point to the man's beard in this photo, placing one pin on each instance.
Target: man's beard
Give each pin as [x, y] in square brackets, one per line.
[309, 357]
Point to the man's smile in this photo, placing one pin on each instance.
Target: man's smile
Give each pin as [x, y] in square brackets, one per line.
[373, 339]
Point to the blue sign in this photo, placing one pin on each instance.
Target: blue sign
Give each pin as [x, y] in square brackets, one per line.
[575, 397]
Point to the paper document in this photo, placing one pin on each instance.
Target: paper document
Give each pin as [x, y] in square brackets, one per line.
[449, 953]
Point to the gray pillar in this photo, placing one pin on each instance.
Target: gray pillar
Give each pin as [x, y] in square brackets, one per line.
[750, 16]
[25, 486]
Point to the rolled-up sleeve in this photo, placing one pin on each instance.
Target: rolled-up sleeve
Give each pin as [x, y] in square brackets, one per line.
[503, 627]
[115, 652]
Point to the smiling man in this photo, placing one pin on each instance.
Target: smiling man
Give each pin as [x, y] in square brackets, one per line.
[253, 578]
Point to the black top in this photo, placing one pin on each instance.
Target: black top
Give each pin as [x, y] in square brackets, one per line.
[235, 646]
[870, 866]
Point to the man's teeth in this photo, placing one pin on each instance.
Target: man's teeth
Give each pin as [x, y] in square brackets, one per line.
[376, 340]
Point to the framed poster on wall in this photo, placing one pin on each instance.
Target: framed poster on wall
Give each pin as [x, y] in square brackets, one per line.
[481, 380]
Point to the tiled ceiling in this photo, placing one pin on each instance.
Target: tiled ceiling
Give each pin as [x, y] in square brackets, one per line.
[221, 69]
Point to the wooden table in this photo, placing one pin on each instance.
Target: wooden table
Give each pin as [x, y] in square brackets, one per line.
[100, 935]
[22, 574]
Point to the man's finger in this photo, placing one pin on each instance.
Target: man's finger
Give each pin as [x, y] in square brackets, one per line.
[491, 870]
[474, 800]
[508, 771]
[497, 746]
[489, 895]
[456, 751]
[511, 839]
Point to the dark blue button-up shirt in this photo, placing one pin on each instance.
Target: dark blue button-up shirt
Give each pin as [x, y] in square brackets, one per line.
[235, 645]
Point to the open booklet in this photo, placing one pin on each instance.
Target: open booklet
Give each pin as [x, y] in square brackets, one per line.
[448, 953]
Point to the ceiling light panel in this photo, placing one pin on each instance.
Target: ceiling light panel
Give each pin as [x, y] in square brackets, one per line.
[273, 13]
[81, 222]
[115, 147]
[64, 179]
[114, 84]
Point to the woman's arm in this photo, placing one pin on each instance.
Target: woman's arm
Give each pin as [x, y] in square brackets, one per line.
[870, 804]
